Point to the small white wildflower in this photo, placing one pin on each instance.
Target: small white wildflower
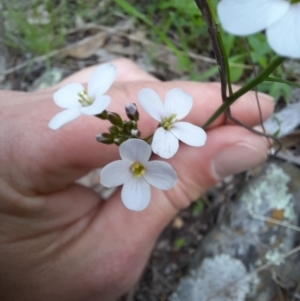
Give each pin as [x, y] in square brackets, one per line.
[76, 100]
[280, 19]
[176, 106]
[136, 173]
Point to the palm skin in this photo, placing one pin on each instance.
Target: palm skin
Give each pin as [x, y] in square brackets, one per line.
[58, 240]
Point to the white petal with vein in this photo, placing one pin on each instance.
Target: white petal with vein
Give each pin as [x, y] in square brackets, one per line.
[136, 194]
[164, 143]
[178, 102]
[189, 133]
[115, 174]
[67, 96]
[63, 117]
[244, 17]
[284, 35]
[135, 150]
[98, 106]
[101, 79]
[151, 103]
[160, 174]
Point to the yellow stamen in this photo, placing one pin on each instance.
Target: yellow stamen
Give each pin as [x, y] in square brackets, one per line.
[137, 169]
[84, 99]
[168, 121]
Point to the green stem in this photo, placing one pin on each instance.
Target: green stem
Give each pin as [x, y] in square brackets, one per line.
[221, 47]
[148, 137]
[253, 83]
[213, 30]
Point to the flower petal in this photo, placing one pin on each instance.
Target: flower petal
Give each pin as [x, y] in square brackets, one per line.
[135, 150]
[284, 35]
[177, 102]
[244, 17]
[98, 106]
[101, 79]
[63, 117]
[115, 174]
[160, 175]
[164, 143]
[67, 96]
[151, 103]
[136, 194]
[189, 133]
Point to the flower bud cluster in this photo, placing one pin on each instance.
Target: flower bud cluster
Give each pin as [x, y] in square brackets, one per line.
[120, 130]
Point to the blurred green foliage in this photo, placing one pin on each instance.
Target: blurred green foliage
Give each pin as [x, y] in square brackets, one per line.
[179, 243]
[176, 24]
[197, 207]
[182, 28]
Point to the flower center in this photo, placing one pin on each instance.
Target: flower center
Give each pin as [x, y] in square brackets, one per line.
[137, 169]
[84, 99]
[168, 121]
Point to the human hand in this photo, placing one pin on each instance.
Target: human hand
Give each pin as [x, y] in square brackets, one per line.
[58, 240]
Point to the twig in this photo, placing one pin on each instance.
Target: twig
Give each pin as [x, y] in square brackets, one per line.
[275, 221]
[252, 130]
[37, 59]
[114, 31]
[279, 292]
[236, 121]
[296, 292]
[135, 38]
[130, 294]
[287, 156]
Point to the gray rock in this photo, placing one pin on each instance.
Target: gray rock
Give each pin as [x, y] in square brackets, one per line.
[47, 79]
[218, 279]
[248, 234]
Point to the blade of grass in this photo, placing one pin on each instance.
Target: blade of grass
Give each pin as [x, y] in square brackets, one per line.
[280, 80]
[131, 10]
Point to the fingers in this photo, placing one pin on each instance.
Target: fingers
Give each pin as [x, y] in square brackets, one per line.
[126, 71]
[79, 133]
[207, 98]
[64, 155]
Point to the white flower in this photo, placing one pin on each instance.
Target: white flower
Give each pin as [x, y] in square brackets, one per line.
[76, 100]
[177, 105]
[136, 174]
[280, 19]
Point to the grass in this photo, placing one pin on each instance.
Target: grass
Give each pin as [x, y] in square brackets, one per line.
[174, 23]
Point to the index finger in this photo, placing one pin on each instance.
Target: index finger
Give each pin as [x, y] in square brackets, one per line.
[57, 158]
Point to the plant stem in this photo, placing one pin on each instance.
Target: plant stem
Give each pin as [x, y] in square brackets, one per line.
[253, 83]
[213, 29]
[148, 137]
[221, 48]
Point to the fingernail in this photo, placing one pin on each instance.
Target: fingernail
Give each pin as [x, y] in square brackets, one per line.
[236, 159]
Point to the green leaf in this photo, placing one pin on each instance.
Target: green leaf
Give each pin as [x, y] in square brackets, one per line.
[133, 11]
[197, 208]
[179, 243]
